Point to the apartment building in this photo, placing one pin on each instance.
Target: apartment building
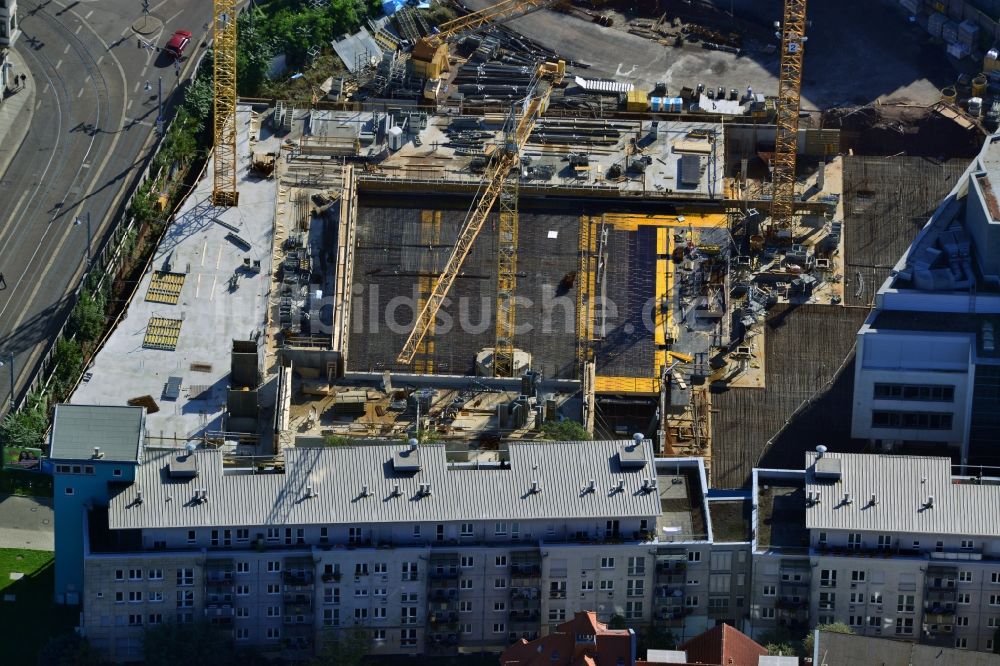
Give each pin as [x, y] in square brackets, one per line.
[927, 375]
[894, 546]
[427, 554]
[10, 28]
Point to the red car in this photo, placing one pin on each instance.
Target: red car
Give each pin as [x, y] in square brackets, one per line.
[178, 43]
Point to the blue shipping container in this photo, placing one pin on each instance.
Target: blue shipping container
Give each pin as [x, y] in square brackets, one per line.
[666, 104]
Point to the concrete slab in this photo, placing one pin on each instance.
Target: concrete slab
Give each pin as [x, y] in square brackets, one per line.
[200, 244]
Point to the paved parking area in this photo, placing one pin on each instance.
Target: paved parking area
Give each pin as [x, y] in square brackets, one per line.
[26, 522]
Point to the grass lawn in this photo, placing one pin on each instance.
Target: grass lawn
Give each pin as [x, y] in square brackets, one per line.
[28, 622]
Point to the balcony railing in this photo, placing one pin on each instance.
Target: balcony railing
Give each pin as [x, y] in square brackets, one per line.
[557, 594]
[451, 572]
[298, 577]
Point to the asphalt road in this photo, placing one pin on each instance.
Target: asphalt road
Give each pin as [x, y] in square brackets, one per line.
[90, 134]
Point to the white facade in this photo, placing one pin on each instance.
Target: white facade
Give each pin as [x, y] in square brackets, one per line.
[10, 27]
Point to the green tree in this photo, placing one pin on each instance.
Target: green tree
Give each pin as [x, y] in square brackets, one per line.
[564, 431]
[69, 650]
[617, 622]
[198, 96]
[833, 627]
[344, 648]
[87, 320]
[68, 359]
[26, 427]
[171, 644]
[781, 649]
[254, 52]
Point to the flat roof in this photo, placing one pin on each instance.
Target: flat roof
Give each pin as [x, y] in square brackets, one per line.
[975, 324]
[198, 244]
[781, 513]
[904, 505]
[338, 477]
[78, 429]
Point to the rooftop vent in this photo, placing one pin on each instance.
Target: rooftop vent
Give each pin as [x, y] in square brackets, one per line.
[536, 487]
[311, 492]
[424, 490]
[633, 455]
[98, 453]
[873, 501]
[183, 466]
[847, 499]
[364, 490]
[395, 491]
[620, 488]
[820, 451]
[138, 497]
[929, 504]
[408, 459]
[590, 487]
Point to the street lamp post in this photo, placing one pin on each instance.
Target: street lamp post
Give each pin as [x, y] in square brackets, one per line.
[77, 222]
[159, 105]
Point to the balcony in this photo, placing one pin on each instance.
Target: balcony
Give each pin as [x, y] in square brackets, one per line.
[524, 615]
[441, 618]
[525, 592]
[557, 594]
[525, 569]
[332, 577]
[671, 566]
[792, 605]
[219, 610]
[444, 573]
[218, 576]
[443, 594]
[300, 578]
[297, 598]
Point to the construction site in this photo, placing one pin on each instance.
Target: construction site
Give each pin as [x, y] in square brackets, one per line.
[476, 239]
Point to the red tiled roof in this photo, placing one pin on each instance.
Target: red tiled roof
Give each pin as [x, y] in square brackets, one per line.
[560, 648]
[723, 645]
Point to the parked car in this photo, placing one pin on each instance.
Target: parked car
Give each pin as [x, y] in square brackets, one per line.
[178, 43]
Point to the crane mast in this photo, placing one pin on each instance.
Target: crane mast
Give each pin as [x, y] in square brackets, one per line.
[498, 180]
[224, 192]
[793, 37]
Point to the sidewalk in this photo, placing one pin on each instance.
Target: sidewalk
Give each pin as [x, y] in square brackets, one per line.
[15, 113]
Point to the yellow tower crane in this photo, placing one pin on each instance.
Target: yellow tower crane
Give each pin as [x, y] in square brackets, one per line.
[499, 183]
[793, 37]
[224, 192]
[429, 57]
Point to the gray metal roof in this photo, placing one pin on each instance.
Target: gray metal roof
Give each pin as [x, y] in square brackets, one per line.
[77, 429]
[902, 486]
[835, 649]
[336, 476]
[361, 43]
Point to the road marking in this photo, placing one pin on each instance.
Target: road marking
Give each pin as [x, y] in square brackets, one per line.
[85, 165]
[144, 70]
[66, 50]
[88, 15]
[100, 60]
[59, 64]
[80, 94]
[45, 89]
[204, 251]
[197, 287]
[21, 200]
[171, 19]
[218, 259]
[157, 6]
[78, 29]
[211, 296]
[135, 88]
[129, 105]
[38, 105]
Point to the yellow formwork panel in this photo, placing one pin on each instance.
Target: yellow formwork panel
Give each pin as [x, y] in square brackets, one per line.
[645, 385]
[162, 333]
[165, 287]
[627, 222]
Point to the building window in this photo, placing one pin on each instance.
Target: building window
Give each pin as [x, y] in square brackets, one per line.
[770, 590]
[192, 537]
[408, 638]
[828, 578]
[466, 530]
[586, 586]
[500, 560]
[961, 621]
[467, 561]
[135, 597]
[637, 566]
[379, 613]
[378, 635]
[185, 599]
[242, 633]
[155, 574]
[921, 392]
[135, 620]
[995, 600]
[331, 617]
[464, 606]
[116, 471]
[243, 534]
[185, 577]
[354, 534]
[962, 643]
[904, 603]
[607, 585]
[273, 633]
[273, 566]
[243, 611]
[135, 574]
[607, 563]
[242, 567]
[557, 614]
[273, 611]
[360, 568]
[912, 420]
[119, 597]
[155, 596]
[821, 541]
[500, 529]
[858, 576]
[635, 588]
[966, 577]
[119, 574]
[69, 491]
[968, 544]
[242, 590]
[361, 592]
[633, 610]
[854, 540]
[691, 600]
[155, 618]
[274, 589]
[273, 535]
[499, 627]
[855, 620]
[875, 621]
[409, 571]
[904, 626]
[694, 556]
[500, 583]
[876, 598]
[499, 606]
[766, 613]
[964, 598]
